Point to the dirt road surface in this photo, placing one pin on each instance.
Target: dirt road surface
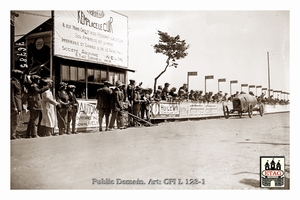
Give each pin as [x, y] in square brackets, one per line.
[219, 153]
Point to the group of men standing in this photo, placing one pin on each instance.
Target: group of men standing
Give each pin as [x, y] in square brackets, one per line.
[113, 103]
[44, 109]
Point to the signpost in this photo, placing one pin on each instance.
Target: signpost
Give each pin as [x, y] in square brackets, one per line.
[231, 82]
[220, 80]
[207, 77]
[251, 86]
[188, 75]
[243, 85]
[258, 86]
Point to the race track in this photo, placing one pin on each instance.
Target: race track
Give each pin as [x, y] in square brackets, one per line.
[219, 153]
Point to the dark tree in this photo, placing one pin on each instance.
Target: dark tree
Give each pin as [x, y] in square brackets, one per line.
[173, 48]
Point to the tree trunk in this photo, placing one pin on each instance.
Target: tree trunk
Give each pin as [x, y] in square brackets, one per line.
[155, 80]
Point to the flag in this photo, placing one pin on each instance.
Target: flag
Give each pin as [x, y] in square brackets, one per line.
[192, 73]
[209, 77]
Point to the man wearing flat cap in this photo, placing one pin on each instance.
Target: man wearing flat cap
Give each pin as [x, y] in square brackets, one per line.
[16, 100]
[34, 106]
[103, 104]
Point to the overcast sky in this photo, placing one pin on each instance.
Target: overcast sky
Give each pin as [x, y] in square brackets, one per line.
[226, 44]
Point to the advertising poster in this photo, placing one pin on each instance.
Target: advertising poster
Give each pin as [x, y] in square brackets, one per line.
[91, 35]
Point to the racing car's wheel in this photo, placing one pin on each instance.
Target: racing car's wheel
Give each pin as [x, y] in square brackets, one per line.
[250, 110]
[226, 112]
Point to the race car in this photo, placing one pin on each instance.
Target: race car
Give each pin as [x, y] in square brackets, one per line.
[244, 103]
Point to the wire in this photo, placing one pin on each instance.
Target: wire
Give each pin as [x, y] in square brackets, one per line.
[29, 13]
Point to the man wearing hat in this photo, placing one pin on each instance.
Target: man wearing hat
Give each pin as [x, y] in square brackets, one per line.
[16, 100]
[62, 97]
[184, 88]
[103, 104]
[117, 107]
[137, 100]
[34, 106]
[49, 104]
[145, 106]
[225, 98]
[72, 109]
[130, 92]
[157, 95]
[165, 91]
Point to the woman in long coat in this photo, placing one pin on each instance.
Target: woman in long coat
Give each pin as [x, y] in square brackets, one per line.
[49, 104]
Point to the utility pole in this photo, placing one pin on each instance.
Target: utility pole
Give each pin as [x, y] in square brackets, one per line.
[268, 75]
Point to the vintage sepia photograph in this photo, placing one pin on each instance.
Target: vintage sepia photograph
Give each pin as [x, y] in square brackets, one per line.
[172, 99]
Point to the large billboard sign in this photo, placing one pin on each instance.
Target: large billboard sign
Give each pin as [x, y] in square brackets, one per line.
[92, 36]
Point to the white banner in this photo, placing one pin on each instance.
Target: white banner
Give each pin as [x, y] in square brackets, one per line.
[91, 35]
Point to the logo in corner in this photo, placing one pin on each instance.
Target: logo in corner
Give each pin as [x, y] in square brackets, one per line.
[272, 171]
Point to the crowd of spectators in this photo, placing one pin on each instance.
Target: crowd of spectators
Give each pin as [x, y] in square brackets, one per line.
[171, 94]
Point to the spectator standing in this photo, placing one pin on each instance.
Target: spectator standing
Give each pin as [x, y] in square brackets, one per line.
[145, 106]
[192, 95]
[117, 107]
[160, 87]
[184, 88]
[15, 101]
[225, 97]
[130, 92]
[165, 91]
[49, 118]
[72, 109]
[157, 95]
[201, 97]
[35, 106]
[62, 97]
[173, 93]
[103, 104]
[137, 103]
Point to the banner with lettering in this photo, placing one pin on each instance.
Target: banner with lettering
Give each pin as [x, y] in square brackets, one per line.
[87, 114]
[97, 36]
